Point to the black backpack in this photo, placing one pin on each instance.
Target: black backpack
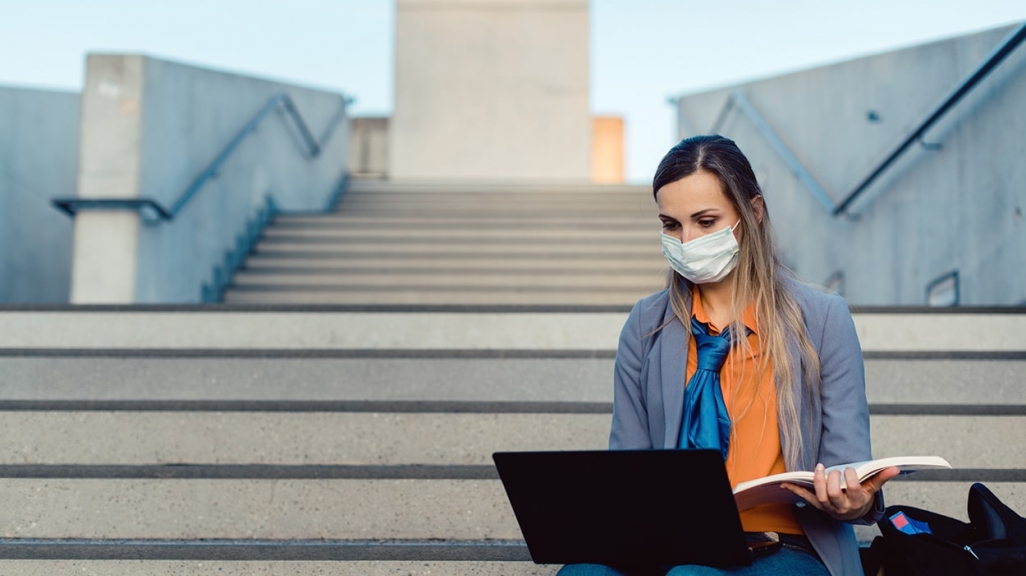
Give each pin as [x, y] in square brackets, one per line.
[993, 543]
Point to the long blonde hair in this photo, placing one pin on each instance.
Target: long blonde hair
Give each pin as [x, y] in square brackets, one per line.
[759, 278]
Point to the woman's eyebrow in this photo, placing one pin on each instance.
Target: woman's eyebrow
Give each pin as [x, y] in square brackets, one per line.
[703, 212]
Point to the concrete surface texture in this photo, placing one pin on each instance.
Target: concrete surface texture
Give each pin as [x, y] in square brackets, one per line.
[238, 440]
[279, 509]
[395, 439]
[310, 509]
[293, 438]
[38, 160]
[317, 379]
[441, 379]
[443, 242]
[953, 207]
[560, 331]
[149, 129]
[491, 89]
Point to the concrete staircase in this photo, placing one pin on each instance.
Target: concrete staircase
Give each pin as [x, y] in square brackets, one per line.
[181, 441]
[356, 439]
[462, 243]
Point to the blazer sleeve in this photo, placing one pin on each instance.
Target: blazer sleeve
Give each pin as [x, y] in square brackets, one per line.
[629, 430]
[845, 410]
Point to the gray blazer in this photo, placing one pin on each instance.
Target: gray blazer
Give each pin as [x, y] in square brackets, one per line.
[649, 395]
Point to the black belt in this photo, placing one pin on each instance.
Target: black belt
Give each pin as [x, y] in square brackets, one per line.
[793, 541]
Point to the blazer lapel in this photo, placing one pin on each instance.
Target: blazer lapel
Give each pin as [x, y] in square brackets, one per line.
[807, 407]
[801, 409]
[673, 351]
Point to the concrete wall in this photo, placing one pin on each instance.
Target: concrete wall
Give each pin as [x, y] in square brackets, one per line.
[935, 211]
[149, 128]
[38, 160]
[491, 89]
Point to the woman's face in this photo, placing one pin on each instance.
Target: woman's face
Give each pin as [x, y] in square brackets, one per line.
[694, 206]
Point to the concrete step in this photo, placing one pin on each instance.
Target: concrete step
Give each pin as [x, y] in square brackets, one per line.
[268, 568]
[396, 439]
[169, 375]
[565, 205]
[650, 281]
[541, 215]
[391, 295]
[330, 509]
[433, 222]
[584, 211]
[475, 203]
[392, 233]
[358, 186]
[274, 509]
[288, 438]
[410, 379]
[475, 200]
[398, 263]
[985, 334]
[613, 249]
[946, 381]
[201, 328]
[484, 265]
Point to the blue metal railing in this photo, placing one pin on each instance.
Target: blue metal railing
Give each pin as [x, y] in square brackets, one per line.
[152, 211]
[964, 87]
[236, 255]
[737, 100]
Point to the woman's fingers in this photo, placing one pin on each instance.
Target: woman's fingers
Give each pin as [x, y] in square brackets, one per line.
[876, 482]
[838, 497]
[856, 493]
[849, 503]
[845, 497]
[804, 494]
[819, 484]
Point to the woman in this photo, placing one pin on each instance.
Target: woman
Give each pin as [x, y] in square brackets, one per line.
[773, 369]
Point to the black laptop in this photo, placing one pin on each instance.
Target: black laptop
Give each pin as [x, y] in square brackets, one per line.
[635, 510]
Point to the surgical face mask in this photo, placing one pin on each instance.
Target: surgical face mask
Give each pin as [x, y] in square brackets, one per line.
[706, 259]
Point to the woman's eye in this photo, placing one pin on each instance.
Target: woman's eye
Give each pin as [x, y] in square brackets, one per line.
[669, 225]
[706, 223]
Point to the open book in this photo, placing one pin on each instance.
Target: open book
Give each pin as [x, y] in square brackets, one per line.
[768, 491]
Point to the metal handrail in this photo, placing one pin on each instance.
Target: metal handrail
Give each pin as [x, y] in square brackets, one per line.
[738, 100]
[153, 211]
[964, 87]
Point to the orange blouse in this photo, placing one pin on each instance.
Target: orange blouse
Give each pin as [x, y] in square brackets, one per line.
[750, 396]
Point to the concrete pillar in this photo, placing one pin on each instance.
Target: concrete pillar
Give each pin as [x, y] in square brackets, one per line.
[491, 89]
[106, 243]
[149, 129]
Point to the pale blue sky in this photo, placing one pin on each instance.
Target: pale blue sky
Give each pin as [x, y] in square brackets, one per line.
[642, 50]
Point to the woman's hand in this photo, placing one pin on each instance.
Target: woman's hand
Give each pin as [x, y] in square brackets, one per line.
[844, 505]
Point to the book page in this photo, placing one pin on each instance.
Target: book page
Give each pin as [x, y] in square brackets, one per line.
[768, 491]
